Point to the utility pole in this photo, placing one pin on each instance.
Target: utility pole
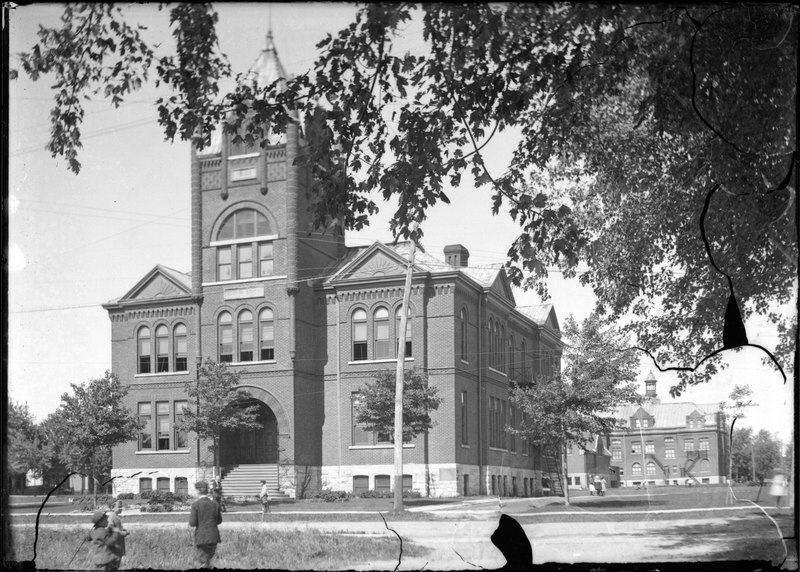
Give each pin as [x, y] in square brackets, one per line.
[753, 460]
[400, 376]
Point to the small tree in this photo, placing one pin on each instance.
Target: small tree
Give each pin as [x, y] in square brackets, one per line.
[24, 445]
[742, 454]
[767, 454]
[583, 399]
[90, 422]
[377, 399]
[741, 398]
[215, 405]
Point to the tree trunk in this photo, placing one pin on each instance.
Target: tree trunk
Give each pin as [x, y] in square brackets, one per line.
[400, 377]
[564, 472]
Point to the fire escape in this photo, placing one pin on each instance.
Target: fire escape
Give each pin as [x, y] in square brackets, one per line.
[691, 460]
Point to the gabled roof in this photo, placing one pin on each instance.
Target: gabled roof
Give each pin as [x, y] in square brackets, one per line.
[670, 414]
[543, 315]
[160, 283]
[372, 261]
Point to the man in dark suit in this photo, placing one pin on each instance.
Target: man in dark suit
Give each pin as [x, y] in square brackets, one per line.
[205, 517]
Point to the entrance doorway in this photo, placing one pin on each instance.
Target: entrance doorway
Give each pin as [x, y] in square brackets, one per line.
[254, 446]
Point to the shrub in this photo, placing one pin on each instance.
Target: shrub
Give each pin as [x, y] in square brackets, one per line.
[328, 495]
[125, 496]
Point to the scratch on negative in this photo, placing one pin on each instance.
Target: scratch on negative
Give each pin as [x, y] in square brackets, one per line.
[400, 556]
[468, 562]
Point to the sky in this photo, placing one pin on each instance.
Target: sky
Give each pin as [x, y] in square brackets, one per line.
[77, 241]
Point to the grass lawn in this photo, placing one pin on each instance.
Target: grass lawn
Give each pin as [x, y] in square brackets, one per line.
[240, 548]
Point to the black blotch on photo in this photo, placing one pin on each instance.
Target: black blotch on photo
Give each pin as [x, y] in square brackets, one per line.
[510, 539]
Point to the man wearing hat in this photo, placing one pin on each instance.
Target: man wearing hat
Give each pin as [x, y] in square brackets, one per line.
[204, 518]
[108, 543]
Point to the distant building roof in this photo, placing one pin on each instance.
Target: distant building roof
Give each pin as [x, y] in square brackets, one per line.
[670, 414]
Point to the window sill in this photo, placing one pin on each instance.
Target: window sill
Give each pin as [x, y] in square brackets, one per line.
[160, 374]
[244, 156]
[389, 446]
[497, 371]
[240, 363]
[262, 238]
[465, 362]
[180, 451]
[373, 361]
[498, 449]
[463, 446]
[244, 280]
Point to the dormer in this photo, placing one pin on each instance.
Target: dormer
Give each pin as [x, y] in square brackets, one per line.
[695, 420]
[642, 419]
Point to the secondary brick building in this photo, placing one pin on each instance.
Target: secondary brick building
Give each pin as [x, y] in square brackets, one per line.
[308, 321]
[670, 443]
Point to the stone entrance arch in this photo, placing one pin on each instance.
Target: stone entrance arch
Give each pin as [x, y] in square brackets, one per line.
[257, 446]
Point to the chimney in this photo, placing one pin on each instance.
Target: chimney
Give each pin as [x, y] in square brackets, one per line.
[456, 255]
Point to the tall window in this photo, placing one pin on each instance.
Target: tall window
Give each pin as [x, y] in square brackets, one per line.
[398, 315]
[616, 454]
[704, 443]
[464, 427]
[146, 432]
[162, 348]
[361, 436]
[245, 257]
[463, 340]
[688, 444]
[266, 326]
[181, 437]
[669, 447]
[501, 430]
[501, 354]
[636, 447]
[523, 369]
[225, 337]
[180, 348]
[380, 324]
[491, 343]
[246, 336]
[491, 422]
[162, 411]
[512, 420]
[143, 344]
[236, 229]
[511, 357]
[649, 447]
[651, 469]
[359, 335]
[224, 268]
[636, 470]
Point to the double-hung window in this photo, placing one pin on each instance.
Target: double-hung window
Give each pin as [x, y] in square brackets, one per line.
[649, 447]
[359, 335]
[181, 437]
[636, 447]
[464, 419]
[225, 337]
[244, 246]
[246, 336]
[409, 345]
[180, 348]
[162, 348]
[146, 431]
[162, 413]
[143, 349]
[380, 324]
[266, 326]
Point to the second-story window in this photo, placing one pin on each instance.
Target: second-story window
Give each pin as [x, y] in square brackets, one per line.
[246, 336]
[245, 258]
[180, 348]
[224, 269]
[636, 447]
[383, 345]
[225, 337]
[463, 340]
[649, 447]
[409, 331]
[244, 246]
[266, 326]
[359, 335]
[162, 349]
[143, 349]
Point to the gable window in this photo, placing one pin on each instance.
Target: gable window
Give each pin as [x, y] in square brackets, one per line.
[181, 437]
[637, 422]
[143, 345]
[246, 336]
[162, 348]
[463, 340]
[180, 348]
[236, 255]
[146, 432]
[359, 335]
[266, 326]
[162, 412]
[380, 324]
[225, 337]
[398, 315]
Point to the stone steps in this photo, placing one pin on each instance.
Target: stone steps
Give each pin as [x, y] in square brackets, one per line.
[245, 480]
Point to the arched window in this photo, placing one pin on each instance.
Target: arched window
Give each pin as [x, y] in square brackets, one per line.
[380, 328]
[162, 348]
[463, 340]
[359, 335]
[502, 348]
[651, 469]
[246, 336]
[180, 348]
[491, 343]
[409, 331]
[497, 346]
[144, 349]
[636, 470]
[252, 258]
[225, 337]
[266, 327]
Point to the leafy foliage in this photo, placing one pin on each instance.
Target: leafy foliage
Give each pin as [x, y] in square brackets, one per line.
[627, 115]
[24, 441]
[377, 402]
[220, 405]
[581, 401]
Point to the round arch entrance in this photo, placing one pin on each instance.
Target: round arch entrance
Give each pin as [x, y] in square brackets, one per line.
[253, 446]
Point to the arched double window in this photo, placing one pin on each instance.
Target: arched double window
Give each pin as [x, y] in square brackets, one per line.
[651, 469]
[254, 342]
[153, 349]
[636, 470]
[239, 258]
[380, 327]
